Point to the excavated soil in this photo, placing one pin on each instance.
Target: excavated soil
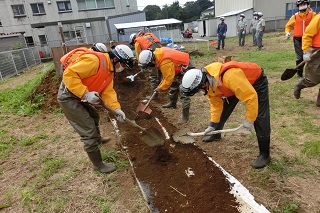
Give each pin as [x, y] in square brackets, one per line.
[162, 171]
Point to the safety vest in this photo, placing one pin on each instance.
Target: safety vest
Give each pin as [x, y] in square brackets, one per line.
[148, 41]
[180, 59]
[300, 25]
[251, 70]
[97, 82]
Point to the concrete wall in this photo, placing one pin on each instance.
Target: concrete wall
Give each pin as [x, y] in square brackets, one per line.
[8, 42]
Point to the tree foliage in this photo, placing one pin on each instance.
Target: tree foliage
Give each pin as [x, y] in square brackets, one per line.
[190, 11]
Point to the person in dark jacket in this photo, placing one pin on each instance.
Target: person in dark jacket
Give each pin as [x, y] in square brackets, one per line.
[221, 32]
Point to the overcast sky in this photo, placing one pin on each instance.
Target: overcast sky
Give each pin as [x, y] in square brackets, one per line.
[143, 3]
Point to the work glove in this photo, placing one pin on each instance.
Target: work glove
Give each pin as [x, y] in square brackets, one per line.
[288, 35]
[248, 125]
[225, 35]
[120, 115]
[243, 32]
[92, 97]
[306, 56]
[208, 130]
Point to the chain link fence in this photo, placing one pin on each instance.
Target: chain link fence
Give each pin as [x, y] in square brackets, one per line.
[15, 61]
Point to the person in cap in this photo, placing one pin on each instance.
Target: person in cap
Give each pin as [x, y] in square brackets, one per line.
[260, 28]
[298, 22]
[221, 31]
[86, 81]
[226, 84]
[252, 28]
[241, 27]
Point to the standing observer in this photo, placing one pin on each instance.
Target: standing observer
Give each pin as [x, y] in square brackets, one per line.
[83, 81]
[299, 21]
[222, 32]
[226, 84]
[253, 25]
[241, 27]
[261, 27]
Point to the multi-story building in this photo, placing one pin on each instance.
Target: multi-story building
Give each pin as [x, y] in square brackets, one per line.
[52, 22]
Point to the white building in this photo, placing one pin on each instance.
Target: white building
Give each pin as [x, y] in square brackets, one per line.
[48, 22]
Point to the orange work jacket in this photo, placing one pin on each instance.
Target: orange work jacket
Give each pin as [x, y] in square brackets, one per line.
[251, 70]
[300, 25]
[148, 40]
[180, 59]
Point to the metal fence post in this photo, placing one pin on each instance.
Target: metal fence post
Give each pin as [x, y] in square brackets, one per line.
[14, 63]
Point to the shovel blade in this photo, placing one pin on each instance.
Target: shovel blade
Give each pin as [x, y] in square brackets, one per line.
[152, 137]
[181, 136]
[143, 108]
[288, 73]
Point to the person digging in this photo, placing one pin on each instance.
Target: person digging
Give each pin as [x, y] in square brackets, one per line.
[226, 84]
[173, 64]
[84, 80]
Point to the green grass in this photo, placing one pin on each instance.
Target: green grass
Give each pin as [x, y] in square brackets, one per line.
[17, 100]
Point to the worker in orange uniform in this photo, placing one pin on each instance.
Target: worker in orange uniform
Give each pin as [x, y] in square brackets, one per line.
[226, 84]
[299, 21]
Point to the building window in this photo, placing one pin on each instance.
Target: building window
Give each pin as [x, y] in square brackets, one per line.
[64, 6]
[38, 9]
[29, 40]
[18, 10]
[43, 40]
[95, 4]
[72, 35]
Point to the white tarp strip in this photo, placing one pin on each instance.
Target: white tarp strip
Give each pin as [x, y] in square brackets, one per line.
[147, 23]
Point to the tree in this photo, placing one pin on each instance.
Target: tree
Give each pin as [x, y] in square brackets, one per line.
[152, 12]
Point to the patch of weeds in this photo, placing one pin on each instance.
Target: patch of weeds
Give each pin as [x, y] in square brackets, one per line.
[286, 207]
[17, 100]
[28, 197]
[32, 140]
[7, 196]
[51, 166]
[262, 177]
[312, 148]
[280, 166]
[6, 146]
[114, 156]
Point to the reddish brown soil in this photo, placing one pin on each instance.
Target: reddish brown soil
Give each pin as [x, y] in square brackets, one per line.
[162, 170]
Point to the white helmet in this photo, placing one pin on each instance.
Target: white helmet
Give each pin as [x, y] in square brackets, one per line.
[124, 54]
[221, 18]
[99, 47]
[131, 38]
[192, 81]
[242, 15]
[260, 14]
[145, 58]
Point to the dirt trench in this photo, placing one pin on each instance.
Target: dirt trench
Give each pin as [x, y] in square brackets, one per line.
[162, 171]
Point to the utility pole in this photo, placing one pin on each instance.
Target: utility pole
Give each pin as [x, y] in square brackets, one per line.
[63, 45]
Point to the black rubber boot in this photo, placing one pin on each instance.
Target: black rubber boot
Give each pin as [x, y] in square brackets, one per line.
[297, 90]
[104, 140]
[185, 116]
[318, 99]
[218, 48]
[211, 138]
[264, 157]
[173, 94]
[96, 159]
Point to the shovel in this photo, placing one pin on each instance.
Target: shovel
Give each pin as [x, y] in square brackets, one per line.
[185, 136]
[144, 107]
[289, 73]
[151, 136]
[131, 77]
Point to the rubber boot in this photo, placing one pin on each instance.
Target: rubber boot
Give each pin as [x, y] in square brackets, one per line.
[173, 94]
[297, 90]
[318, 99]
[185, 116]
[211, 138]
[96, 159]
[218, 48]
[104, 140]
[264, 156]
